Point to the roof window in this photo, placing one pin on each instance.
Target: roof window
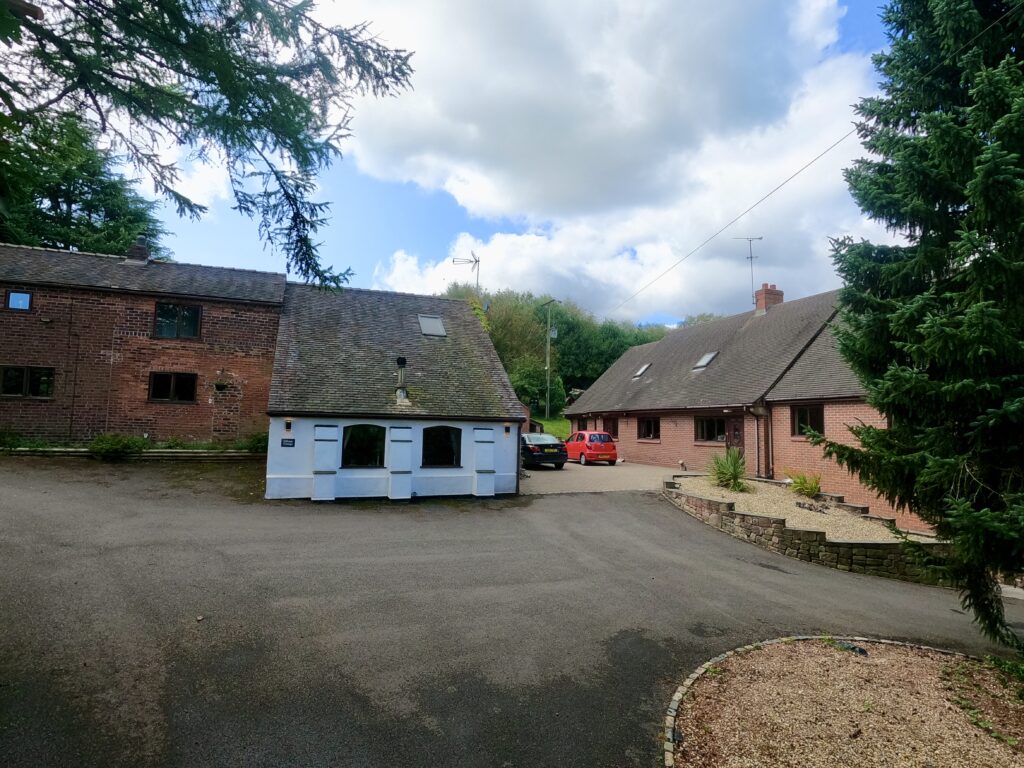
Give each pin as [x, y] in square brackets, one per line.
[642, 371]
[705, 361]
[431, 325]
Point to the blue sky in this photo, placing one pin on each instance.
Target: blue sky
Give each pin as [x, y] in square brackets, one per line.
[412, 191]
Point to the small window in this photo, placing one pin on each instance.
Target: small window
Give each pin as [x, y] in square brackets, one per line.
[442, 447]
[177, 321]
[431, 325]
[804, 417]
[173, 387]
[611, 426]
[648, 429]
[707, 430]
[705, 361]
[642, 370]
[26, 381]
[363, 446]
[19, 301]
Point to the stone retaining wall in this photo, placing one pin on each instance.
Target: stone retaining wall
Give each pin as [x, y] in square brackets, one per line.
[889, 559]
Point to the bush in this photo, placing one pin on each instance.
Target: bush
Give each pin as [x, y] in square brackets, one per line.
[113, 447]
[728, 471]
[9, 440]
[805, 485]
[172, 442]
[254, 443]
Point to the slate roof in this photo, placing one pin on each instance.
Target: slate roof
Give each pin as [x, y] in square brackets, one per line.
[753, 352]
[44, 266]
[337, 351]
[820, 373]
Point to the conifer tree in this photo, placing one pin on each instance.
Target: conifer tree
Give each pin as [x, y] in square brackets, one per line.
[934, 328]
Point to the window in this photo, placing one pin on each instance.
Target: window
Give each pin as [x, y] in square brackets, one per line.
[807, 416]
[611, 426]
[431, 325]
[442, 447]
[173, 387]
[599, 438]
[19, 301]
[648, 429]
[709, 429]
[363, 446]
[26, 381]
[177, 321]
[642, 370]
[705, 361]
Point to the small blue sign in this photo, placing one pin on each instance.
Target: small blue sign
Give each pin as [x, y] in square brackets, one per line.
[287, 442]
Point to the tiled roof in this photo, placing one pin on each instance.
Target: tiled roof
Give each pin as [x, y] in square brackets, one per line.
[337, 353]
[753, 351]
[44, 266]
[819, 374]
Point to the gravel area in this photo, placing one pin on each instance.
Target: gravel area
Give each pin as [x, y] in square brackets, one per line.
[813, 705]
[778, 501]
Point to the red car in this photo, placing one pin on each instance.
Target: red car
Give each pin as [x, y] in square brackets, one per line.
[588, 446]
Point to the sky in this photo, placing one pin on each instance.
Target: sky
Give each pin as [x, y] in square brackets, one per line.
[581, 148]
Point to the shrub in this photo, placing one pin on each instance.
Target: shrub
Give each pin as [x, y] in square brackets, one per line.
[805, 485]
[172, 442]
[9, 440]
[728, 471]
[254, 443]
[113, 447]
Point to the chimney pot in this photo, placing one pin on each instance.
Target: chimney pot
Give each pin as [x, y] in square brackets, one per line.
[767, 296]
[139, 250]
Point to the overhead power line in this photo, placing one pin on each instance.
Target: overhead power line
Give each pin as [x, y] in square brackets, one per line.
[804, 167]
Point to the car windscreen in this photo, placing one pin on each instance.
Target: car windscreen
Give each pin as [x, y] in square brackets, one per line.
[542, 439]
[602, 438]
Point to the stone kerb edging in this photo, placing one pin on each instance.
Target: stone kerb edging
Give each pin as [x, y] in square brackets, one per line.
[875, 558]
[674, 737]
[151, 454]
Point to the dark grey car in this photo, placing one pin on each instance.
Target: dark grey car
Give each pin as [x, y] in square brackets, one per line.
[542, 448]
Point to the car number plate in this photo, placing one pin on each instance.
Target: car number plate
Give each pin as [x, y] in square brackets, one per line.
[603, 456]
[550, 450]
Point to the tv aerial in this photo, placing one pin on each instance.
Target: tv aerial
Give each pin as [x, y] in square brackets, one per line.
[475, 261]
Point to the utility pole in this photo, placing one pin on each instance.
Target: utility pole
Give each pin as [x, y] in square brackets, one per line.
[750, 258]
[547, 360]
[475, 261]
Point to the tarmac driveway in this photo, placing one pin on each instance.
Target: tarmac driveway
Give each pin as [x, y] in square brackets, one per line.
[573, 478]
[535, 631]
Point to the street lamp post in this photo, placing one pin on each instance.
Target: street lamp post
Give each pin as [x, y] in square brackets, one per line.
[547, 360]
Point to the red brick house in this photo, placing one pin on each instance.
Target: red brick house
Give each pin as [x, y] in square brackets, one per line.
[752, 381]
[92, 344]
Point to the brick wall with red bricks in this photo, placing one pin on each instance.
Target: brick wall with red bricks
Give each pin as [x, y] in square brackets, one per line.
[102, 348]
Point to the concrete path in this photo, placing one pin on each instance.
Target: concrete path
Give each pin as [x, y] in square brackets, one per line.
[538, 631]
[593, 478]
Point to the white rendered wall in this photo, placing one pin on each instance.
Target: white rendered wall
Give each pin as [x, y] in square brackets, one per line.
[312, 467]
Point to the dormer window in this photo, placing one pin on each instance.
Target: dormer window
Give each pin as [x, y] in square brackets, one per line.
[705, 361]
[431, 325]
[642, 371]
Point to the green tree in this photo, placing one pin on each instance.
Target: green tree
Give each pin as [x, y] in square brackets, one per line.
[259, 85]
[69, 195]
[935, 328]
[530, 384]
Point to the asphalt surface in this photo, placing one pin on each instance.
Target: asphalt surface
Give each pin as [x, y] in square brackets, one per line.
[539, 631]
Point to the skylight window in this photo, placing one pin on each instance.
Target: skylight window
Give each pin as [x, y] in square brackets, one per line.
[642, 371]
[705, 361]
[431, 325]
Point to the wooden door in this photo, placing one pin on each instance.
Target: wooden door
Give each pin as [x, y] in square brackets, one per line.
[734, 433]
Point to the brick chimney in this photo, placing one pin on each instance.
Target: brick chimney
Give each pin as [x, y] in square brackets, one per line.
[139, 250]
[766, 296]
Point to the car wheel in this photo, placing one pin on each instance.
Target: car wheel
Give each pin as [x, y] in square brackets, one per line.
[611, 463]
[560, 466]
[583, 459]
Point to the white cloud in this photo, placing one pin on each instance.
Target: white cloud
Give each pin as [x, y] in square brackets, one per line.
[623, 134]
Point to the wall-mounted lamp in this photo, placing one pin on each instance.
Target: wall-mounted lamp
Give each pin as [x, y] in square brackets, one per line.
[287, 425]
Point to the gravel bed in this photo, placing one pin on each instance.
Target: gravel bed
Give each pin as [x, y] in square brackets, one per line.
[813, 705]
[779, 501]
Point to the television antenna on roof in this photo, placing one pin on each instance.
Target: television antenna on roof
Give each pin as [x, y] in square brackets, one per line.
[475, 261]
[750, 258]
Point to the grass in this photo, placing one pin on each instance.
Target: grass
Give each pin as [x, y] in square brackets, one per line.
[559, 426]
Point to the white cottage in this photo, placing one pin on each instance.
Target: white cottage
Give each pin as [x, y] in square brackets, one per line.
[379, 394]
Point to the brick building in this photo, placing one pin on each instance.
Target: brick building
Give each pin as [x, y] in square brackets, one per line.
[92, 344]
[751, 381]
